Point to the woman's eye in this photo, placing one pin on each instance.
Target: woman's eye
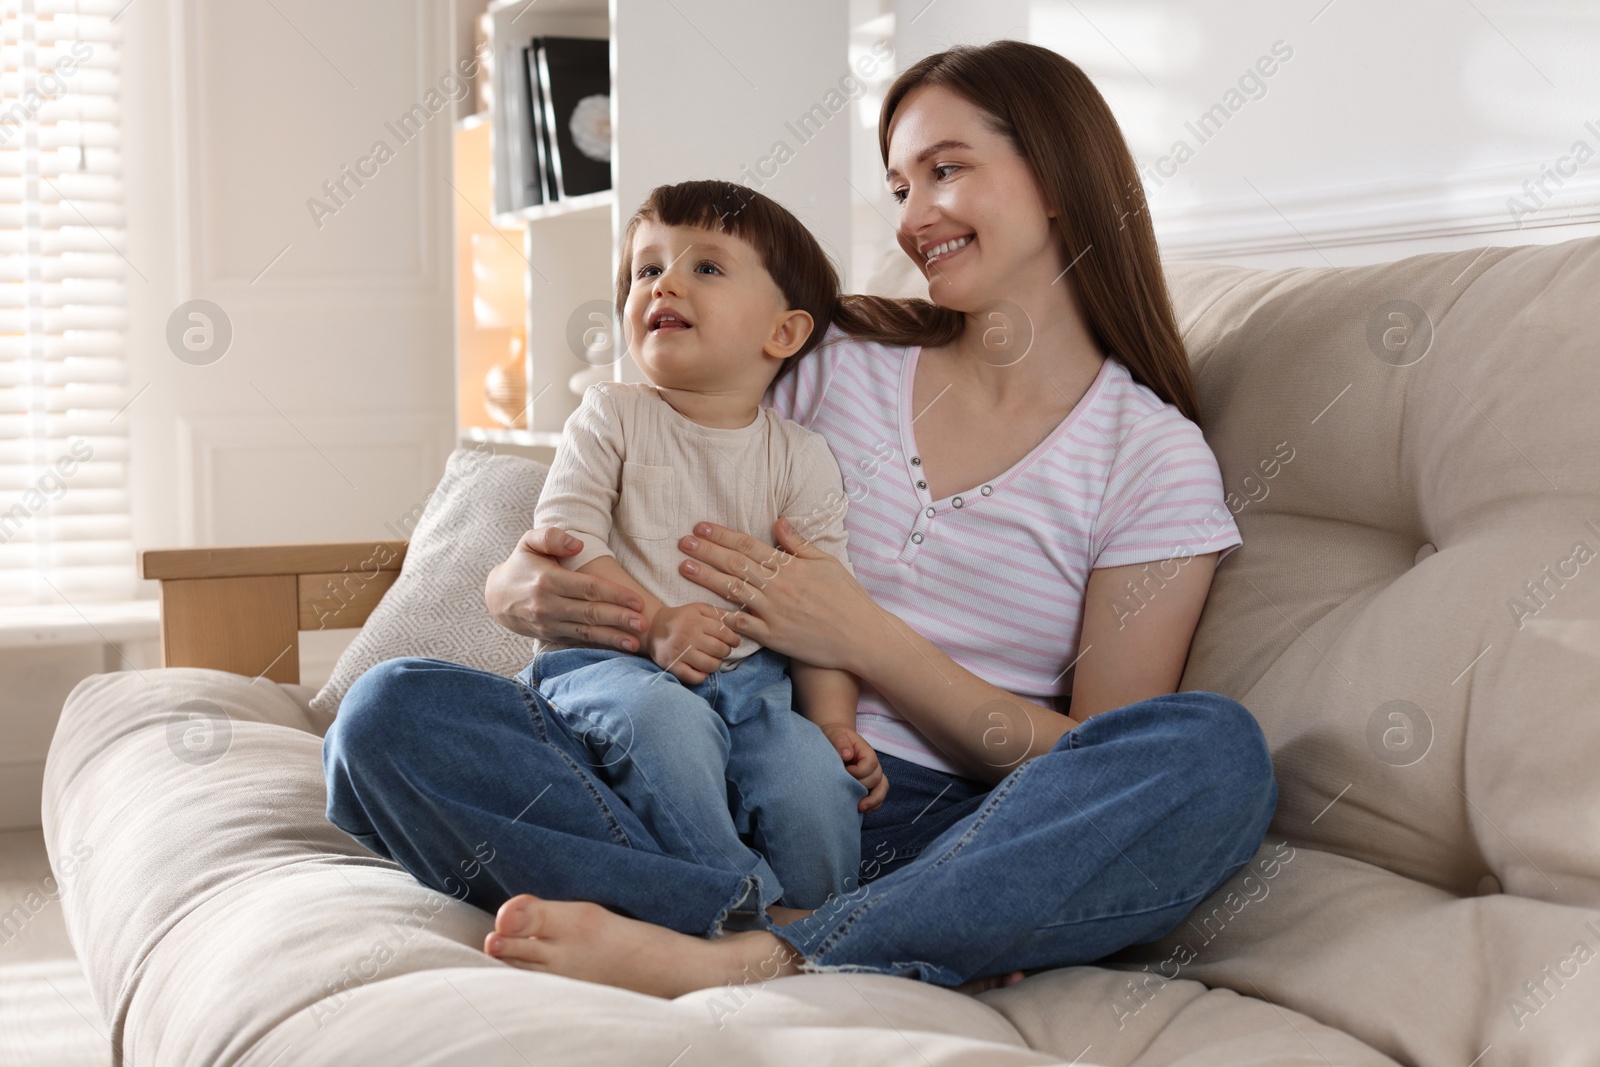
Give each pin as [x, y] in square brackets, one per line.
[899, 195]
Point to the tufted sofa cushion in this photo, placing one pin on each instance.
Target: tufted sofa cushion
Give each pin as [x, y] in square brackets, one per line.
[1412, 453]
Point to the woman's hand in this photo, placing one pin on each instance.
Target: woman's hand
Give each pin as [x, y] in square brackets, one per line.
[796, 599]
[532, 594]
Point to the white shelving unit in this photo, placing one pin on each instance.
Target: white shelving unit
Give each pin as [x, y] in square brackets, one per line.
[700, 89]
[601, 202]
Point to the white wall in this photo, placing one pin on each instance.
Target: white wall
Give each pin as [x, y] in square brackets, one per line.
[1392, 128]
[703, 95]
[330, 414]
[330, 411]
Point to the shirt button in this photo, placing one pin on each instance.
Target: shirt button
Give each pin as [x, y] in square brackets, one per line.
[929, 513]
[921, 484]
[956, 502]
[916, 539]
[916, 461]
[986, 490]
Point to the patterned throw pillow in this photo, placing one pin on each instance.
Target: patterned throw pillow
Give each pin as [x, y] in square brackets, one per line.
[469, 525]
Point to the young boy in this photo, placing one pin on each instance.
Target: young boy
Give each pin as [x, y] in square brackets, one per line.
[719, 289]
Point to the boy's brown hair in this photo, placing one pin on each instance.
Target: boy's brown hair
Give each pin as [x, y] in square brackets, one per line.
[791, 255]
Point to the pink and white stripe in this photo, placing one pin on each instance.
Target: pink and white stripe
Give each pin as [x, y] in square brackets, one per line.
[995, 576]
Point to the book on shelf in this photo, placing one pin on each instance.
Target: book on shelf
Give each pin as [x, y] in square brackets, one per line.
[515, 170]
[543, 162]
[551, 122]
[572, 85]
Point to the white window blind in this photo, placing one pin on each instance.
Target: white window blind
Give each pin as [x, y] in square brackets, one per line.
[64, 524]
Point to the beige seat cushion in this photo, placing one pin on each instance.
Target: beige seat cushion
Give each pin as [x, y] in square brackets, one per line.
[220, 918]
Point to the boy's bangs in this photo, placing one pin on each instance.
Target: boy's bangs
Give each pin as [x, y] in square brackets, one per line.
[708, 206]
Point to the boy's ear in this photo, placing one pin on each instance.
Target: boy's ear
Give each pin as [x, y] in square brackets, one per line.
[789, 334]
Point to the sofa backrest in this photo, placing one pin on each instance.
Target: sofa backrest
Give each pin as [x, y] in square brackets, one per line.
[1411, 451]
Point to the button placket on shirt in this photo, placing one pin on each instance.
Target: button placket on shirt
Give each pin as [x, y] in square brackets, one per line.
[921, 526]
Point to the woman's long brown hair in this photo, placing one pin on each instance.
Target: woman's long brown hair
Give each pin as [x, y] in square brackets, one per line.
[1057, 120]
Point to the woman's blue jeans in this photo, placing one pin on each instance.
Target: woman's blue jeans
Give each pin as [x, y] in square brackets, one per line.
[470, 782]
[710, 765]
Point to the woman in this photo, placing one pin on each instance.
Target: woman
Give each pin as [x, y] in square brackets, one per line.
[1034, 522]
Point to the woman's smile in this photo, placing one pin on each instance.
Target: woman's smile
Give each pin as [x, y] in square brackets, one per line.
[947, 249]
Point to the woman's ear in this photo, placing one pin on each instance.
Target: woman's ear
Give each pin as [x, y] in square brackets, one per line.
[790, 333]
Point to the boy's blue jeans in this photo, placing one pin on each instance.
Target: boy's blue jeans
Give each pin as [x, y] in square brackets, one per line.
[470, 782]
[703, 764]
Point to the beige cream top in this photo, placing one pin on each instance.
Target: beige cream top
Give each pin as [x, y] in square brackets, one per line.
[632, 476]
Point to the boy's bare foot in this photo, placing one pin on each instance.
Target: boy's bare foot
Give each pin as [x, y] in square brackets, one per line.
[589, 942]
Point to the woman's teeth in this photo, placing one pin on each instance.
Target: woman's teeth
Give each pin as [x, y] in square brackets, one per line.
[948, 247]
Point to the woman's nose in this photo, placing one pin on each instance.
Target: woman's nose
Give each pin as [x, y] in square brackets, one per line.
[917, 213]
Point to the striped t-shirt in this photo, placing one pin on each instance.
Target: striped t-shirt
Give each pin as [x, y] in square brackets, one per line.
[994, 575]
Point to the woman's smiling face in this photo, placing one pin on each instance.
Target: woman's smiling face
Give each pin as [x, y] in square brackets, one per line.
[962, 188]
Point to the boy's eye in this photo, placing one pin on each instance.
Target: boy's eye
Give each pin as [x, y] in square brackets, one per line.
[648, 267]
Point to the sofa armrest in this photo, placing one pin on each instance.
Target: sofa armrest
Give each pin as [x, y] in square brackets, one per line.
[241, 609]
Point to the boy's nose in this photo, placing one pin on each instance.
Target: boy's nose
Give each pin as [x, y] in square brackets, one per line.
[667, 281]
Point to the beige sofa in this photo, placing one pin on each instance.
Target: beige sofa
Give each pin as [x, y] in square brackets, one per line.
[1413, 456]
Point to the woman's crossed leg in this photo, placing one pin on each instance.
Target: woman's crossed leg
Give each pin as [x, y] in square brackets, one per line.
[1108, 840]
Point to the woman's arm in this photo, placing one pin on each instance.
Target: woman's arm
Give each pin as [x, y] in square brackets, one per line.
[803, 603]
[532, 594]
[812, 609]
[979, 727]
[1133, 648]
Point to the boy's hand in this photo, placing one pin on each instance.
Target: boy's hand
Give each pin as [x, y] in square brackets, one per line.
[689, 641]
[862, 762]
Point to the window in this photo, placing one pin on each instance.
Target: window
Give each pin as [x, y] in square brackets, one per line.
[64, 524]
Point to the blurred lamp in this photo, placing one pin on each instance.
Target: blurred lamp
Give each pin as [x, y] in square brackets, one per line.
[498, 275]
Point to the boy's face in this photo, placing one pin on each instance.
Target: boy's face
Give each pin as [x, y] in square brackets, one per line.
[733, 324]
